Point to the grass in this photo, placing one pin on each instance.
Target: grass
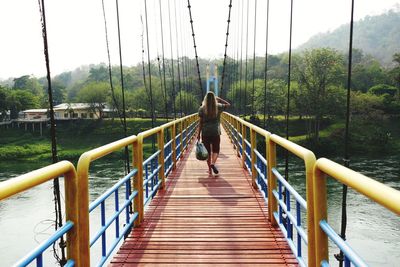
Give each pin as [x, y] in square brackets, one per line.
[73, 139]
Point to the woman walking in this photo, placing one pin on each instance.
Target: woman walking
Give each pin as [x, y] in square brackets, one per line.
[210, 131]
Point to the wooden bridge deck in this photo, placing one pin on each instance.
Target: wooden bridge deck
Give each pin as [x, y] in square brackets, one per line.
[203, 219]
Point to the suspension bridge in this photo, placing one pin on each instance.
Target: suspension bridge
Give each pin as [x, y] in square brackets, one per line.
[167, 210]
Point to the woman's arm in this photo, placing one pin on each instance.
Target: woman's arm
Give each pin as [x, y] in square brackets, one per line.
[200, 127]
[223, 101]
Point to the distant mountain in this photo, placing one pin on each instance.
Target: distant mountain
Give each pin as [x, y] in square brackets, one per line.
[378, 36]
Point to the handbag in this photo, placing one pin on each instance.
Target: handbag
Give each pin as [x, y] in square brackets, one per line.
[201, 151]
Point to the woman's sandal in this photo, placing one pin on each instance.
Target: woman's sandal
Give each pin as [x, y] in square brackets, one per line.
[215, 170]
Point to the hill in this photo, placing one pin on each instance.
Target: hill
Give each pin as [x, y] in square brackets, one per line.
[378, 36]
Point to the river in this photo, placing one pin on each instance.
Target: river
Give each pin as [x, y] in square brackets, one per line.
[374, 233]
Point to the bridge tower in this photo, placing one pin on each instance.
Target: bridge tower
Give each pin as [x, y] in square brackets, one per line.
[212, 77]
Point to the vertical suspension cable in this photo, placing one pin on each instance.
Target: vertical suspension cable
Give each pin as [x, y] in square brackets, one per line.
[163, 60]
[195, 50]
[183, 86]
[177, 62]
[288, 91]
[247, 50]
[226, 47]
[149, 67]
[254, 58]
[127, 167]
[241, 60]
[266, 66]
[158, 54]
[109, 66]
[56, 183]
[239, 63]
[172, 61]
[346, 159]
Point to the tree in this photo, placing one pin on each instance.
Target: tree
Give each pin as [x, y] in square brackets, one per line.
[275, 97]
[3, 102]
[18, 100]
[96, 94]
[28, 83]
[317, 71]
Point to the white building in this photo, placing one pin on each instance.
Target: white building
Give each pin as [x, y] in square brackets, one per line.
[67, 111]
[33, 114]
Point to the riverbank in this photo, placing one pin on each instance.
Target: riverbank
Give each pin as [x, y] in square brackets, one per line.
[73, 139]
[76, 137]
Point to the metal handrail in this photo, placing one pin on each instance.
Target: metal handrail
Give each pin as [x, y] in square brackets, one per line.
[382, 194]
[72, 228]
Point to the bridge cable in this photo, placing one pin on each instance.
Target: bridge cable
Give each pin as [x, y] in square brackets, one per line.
[241, 60]
[254, 58]
[195, 50]
[186, 63]
[288, 91]
[247, 50]
[127, 167]
[237, 66]
[266, 67]
[162, 78]
[346, 160]
[149, 67]
[182, 76]
[121, 116]
[109, 66]
[56, 184]
[226, 46]
[172, 61]
[177, 62]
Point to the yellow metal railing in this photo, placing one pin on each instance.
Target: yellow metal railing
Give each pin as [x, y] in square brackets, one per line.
[376, 191]
[29, 180]
[77, 180]
[137, 162]
[272, 141]
[315, 170]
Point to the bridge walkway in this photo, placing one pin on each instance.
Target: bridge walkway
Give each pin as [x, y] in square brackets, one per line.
[202, 220]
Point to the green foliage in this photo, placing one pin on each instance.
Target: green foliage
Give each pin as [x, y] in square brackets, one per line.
[319, 73]
[96, 94]
[18, 100]
[28, 83]
[381, 89]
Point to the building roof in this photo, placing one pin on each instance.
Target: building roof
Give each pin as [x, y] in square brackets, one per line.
[37, 110]
[65, 106]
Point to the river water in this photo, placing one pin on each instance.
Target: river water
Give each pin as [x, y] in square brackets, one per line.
[28, 218]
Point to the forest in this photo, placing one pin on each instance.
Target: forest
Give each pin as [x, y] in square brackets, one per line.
[317, 92]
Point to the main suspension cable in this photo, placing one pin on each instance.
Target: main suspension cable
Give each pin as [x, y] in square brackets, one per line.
[195, 50]
[56, 184]
[226, 46]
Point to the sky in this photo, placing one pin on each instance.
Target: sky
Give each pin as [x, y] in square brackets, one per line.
[76, 30]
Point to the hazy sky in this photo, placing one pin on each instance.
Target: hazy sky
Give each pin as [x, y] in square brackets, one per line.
[77, 37]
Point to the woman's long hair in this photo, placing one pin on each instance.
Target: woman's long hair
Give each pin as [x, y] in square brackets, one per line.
[210, 107]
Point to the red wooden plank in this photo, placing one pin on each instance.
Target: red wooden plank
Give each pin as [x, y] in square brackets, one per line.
[202, 219]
